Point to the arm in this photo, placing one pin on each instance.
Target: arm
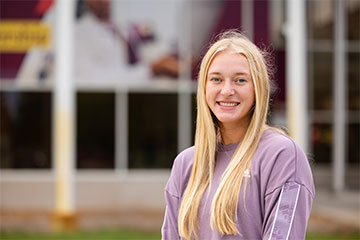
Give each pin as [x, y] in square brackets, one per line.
[169, 229]
[289, 192]
[174, 189]
[288, 209]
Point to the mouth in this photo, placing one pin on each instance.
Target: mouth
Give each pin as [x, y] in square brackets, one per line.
[227, 104]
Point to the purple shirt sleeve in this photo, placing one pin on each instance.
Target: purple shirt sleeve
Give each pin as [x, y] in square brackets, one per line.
[170, 226]
[173, 191]
[288, 210]
[288, 206]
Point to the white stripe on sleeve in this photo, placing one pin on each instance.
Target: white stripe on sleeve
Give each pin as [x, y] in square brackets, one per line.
[285, 211]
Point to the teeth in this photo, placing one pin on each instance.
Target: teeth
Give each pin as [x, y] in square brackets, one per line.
[227, 104]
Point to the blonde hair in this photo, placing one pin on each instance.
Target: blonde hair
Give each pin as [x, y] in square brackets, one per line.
[225, 202]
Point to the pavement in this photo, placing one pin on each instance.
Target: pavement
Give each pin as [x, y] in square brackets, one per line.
[335, 212]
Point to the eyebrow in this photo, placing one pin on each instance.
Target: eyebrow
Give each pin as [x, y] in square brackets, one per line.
[237, 74]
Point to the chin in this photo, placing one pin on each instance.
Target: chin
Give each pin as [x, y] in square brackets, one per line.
[227, 120]
[232, 120]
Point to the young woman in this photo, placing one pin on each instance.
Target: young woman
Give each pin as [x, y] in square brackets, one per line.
[242, 179]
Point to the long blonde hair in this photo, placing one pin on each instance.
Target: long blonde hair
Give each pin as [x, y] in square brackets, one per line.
[225, 202]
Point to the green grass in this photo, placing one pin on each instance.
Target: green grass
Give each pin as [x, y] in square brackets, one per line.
[98, 235]
[131, 235]
[313, 236]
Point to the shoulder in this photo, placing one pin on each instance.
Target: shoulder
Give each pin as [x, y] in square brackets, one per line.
[277, 144]
[282, 160]
[184, 159]
[180, 172]
[88, 23]
[186, 154]
[274, 138]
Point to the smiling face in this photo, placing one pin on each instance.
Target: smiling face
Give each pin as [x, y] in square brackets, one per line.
[230, 90]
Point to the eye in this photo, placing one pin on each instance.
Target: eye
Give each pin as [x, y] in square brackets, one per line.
[214, 79]
[241, 80]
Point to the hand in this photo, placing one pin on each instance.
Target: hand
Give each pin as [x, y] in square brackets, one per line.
[168, 66]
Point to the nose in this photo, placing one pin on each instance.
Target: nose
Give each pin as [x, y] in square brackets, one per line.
[227, 89]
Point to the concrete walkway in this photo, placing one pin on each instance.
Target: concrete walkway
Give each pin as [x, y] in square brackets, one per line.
[335, 213]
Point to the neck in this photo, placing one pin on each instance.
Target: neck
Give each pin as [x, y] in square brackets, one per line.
[232, 133]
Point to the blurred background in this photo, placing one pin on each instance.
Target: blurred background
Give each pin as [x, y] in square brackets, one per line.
[132, 87]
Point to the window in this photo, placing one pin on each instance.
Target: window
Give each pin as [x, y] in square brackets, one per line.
[321, 44]
[25, 130]
[95, 130]
[152, 130]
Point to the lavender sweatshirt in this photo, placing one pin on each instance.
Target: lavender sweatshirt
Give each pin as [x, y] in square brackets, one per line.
[279, 194]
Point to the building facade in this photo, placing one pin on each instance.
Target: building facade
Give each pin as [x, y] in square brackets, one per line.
[128, 130]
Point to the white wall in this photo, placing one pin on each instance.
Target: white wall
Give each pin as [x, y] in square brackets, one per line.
[34, 190]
